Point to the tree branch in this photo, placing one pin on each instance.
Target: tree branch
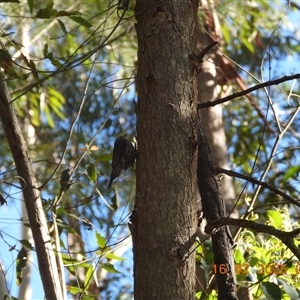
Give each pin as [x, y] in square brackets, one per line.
[214, 209]
[248, 91]
[33, 202]
[205, 51]
[285, 237]
[261, 183]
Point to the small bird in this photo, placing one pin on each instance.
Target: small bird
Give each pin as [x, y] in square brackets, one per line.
[124, 156]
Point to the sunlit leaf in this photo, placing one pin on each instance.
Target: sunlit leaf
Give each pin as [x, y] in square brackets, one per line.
[289, 289]
[88, 277]
[74, 290]
[114, 257]
[110, 268]
[292, 171]
[275, 218]
[92, 173]
[101, 241]
[94, 148]
[49, 117]
[239, 257]
[57, 95]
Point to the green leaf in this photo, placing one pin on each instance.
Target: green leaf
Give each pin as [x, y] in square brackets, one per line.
[88, 277]
[110, 268]
[238, 257]
[92, 173]
[290, 290]
[26, 244]
[54, 61]
[271, 290]
[62, 26]
[74, 290]
[56, 101]
[226, 34]
[115, 201]
[115, 257]
[104, 157]
[81, 21]
[46, 13]
[49, 117]
[275, 218]
[63, 13]
[253, 261]
[291, 172]
[248, 45]
[45, 50]
[101, 241]
[34, 70]
[89, 297]
[21, 264]
[30, 4]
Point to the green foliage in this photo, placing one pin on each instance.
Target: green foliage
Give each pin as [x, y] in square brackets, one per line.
[67, 82]
[262, 262]
[71, 78]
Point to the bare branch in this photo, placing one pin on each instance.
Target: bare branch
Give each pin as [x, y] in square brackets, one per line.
[248, 91]
[261, 183]
[285, 237]
[214, 209]
[206, 50]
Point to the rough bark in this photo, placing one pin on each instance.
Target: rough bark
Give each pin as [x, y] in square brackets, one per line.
[212, 119]
[164, 218]
[213, 209]
[42, 240]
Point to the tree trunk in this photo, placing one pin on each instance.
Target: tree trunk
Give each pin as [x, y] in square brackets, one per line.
[33, 202]
[213, 209]
[164, 218]
[25, 290]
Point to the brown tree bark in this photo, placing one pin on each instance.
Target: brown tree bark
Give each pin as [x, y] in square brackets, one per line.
[212, 119]
[33, 202]
[164, 218]
[213, 209]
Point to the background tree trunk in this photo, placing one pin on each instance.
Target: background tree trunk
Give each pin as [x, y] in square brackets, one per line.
[164, 218]
[25, 290]
[212, 119]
